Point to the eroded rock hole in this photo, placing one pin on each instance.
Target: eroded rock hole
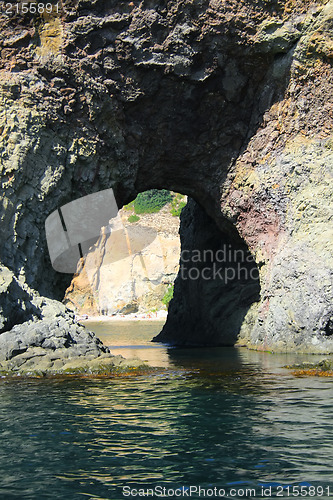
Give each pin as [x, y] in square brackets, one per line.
[129, 272]
[133, 275]
[217, 283]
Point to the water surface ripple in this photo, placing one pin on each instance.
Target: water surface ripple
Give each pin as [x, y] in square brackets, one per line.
[214, 417]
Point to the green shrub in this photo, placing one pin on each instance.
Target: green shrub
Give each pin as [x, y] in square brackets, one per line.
[176, 211]
[129, 206]
[177, 204]
[133, 218]
[151, 201]
[168, 296]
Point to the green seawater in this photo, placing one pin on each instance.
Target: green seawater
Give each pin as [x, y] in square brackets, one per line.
[222, 418]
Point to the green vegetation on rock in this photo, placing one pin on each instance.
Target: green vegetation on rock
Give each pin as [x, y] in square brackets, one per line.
[177, 204]
[168, 296]
[129, 206]
[151, 201]
[133, 218]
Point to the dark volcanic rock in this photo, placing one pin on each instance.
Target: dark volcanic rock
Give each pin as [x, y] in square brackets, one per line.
[227, 102]
[215, 286]
[52, 337]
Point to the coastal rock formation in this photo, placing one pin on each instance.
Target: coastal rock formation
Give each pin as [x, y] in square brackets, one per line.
[217, 283]
[229, 102]
[135, 283]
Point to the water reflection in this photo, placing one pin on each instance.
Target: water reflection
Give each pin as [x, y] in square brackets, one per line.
[132, 339]
[214, 417]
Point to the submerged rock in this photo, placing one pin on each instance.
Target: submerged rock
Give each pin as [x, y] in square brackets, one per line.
[322, 368]
[41, 362]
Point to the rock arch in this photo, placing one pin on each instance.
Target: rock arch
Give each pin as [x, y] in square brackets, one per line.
[227, 102]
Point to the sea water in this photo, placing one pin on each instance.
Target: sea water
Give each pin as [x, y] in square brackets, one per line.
[211, 422]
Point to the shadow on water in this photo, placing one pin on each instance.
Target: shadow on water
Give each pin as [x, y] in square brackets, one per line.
[220, 417]
[132, 339]
[181, 427]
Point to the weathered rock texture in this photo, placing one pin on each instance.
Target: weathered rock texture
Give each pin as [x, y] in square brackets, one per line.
[229, 102]
[138, 281]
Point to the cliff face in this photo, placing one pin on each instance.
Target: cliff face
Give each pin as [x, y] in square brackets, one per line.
[227, 102]
[136, 283]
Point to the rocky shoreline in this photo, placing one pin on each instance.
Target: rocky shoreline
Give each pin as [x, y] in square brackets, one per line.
[38, 362]
[57, 344]
[135, 283]
[150, 316]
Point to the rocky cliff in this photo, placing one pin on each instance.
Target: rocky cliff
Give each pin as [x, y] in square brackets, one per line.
[135, 283]
[229, 102]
